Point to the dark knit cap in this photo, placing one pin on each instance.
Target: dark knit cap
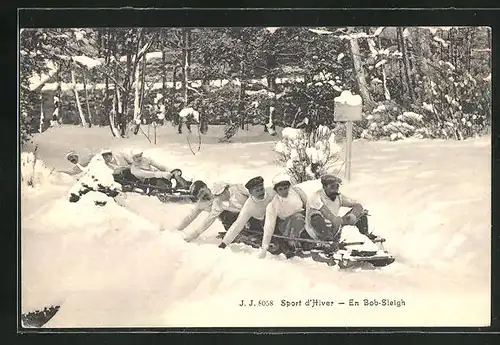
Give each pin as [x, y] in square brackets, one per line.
[328, 179]
[254, 182]
[196, 187]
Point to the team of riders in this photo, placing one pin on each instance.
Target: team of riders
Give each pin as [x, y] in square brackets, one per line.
[283, 209]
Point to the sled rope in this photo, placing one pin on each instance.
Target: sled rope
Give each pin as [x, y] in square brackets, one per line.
[199, 141]
[341, 244]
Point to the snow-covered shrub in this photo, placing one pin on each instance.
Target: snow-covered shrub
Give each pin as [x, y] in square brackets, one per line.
[376, 125]
[96, 184]
[308, 156]
[34, 172]
[390, 121]
[459, 104]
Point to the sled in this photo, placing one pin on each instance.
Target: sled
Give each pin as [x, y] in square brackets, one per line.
[329, 252]
[163, 189]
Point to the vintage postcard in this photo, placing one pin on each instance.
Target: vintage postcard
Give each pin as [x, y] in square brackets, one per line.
[255, 177]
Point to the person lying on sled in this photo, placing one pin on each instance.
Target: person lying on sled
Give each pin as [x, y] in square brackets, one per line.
[253, 210]
[146, 168]
[285, 212]
[80, 162]
[204, 203]
[227, 202]
[323, 207]
[116, 161]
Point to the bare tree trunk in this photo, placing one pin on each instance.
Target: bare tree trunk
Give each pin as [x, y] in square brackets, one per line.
[111, 49]
[186, 55]
[59, 94]
[423, 67]
[112, 114]
[405, 64]
[175, 117]
[241, 96]
[137, 91]
[143, 77]
[87, 99]
[98, 119]
[125, 96]
[40, 128]
[117, 109]
[186, 37]
[488, 32]
[400, 66]
[387, 94]
[107, 110]
[78, 104]
[360, 74]
[163, 66]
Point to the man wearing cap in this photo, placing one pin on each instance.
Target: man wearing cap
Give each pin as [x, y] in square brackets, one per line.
[324, 205]
[80, 163]
[227, 202]
[144, 168]
[115, 161]
[253, 210]
[285, 212]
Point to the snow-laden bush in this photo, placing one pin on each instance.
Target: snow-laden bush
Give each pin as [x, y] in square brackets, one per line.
[34, 172]
[455, 105]
[389, 121]
[96, 184]
[459, 105]
[308, 156]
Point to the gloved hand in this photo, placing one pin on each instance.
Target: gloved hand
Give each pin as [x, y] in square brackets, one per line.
[261, 254]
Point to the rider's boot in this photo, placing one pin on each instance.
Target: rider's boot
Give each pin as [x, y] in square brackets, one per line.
[362, 226]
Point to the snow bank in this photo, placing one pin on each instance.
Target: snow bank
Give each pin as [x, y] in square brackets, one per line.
[98, 179]
[35, 174]
[110, 267]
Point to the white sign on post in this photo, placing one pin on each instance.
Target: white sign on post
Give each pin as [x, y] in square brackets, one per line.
[348, 108]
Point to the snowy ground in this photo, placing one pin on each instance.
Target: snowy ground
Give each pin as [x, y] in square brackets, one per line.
[125, 267]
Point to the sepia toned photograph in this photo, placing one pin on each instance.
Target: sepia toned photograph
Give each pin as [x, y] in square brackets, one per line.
[188, 177]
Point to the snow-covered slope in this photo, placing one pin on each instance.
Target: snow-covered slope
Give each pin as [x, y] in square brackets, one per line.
[124, 266]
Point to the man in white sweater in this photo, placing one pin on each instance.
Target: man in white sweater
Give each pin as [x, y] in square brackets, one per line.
[253, 210]
[285, 212]
[322, 215]
[227, 200]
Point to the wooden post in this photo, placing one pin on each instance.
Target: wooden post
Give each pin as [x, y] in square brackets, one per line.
[154, 126]
[348, 108]
[348, 153]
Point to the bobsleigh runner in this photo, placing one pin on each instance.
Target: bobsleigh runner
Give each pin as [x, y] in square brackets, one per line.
[176, 190]
[344, 254]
